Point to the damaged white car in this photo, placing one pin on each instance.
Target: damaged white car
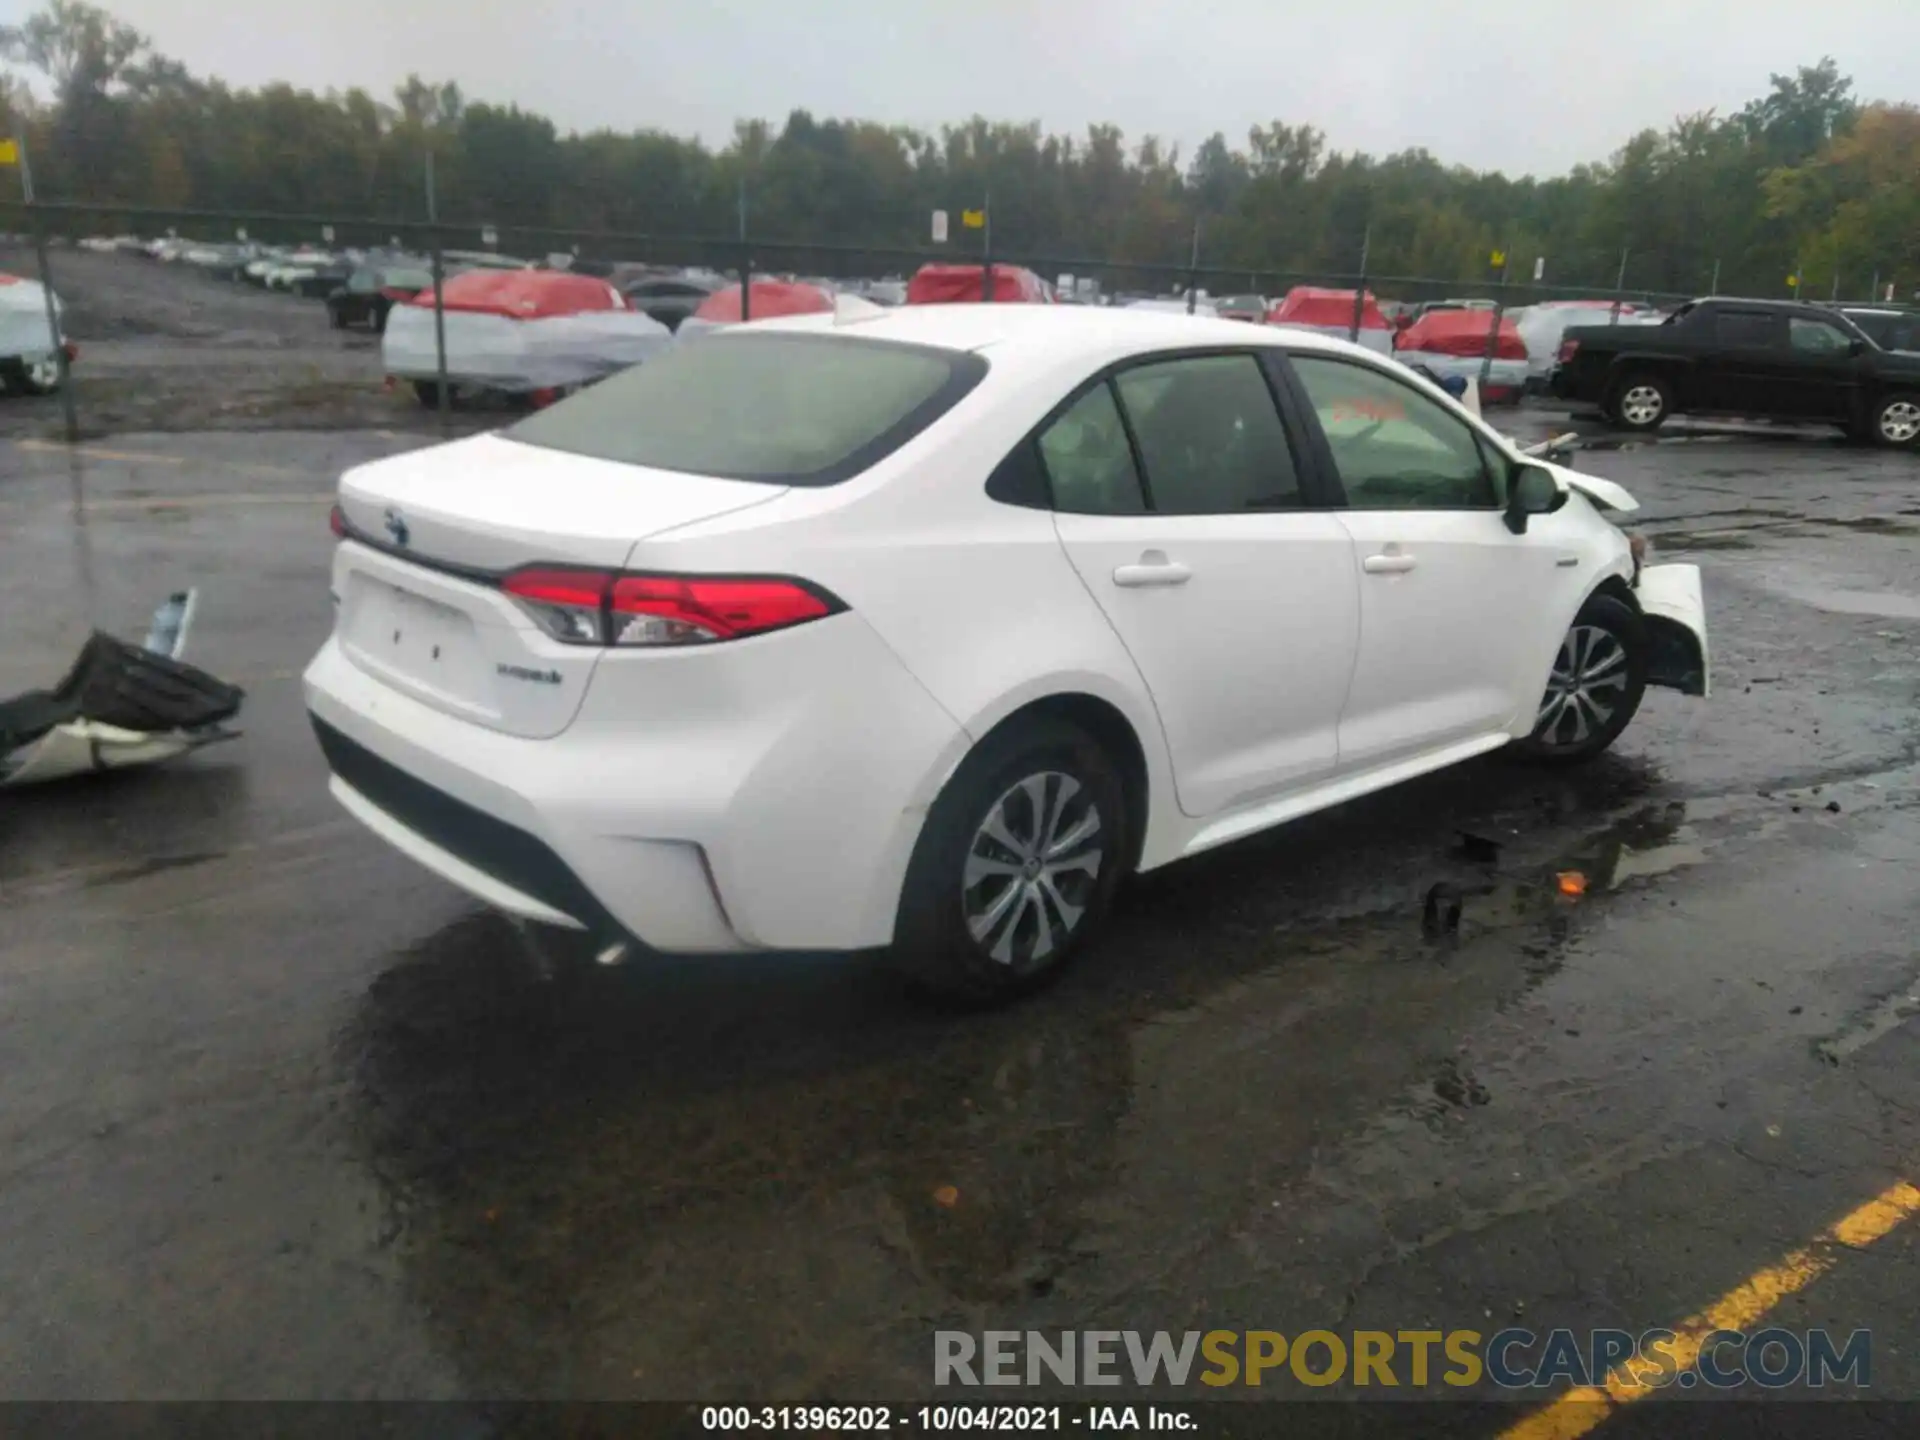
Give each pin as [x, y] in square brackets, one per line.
[925, 630]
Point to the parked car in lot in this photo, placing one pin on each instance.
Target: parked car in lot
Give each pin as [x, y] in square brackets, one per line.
[671, 297]
[536, 334]
[371, 291]
[1767, 359]
[1543, 326]
[29, 362]
[927, 631]
[1455, 343]
[1250, 308]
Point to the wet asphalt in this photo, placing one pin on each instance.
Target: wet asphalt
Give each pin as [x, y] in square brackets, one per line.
[282, 1116]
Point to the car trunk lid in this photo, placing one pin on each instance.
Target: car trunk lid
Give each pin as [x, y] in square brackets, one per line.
[432, 533]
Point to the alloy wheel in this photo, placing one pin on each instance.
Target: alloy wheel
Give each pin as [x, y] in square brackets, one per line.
[1588, 682]
[1900, 422]
[1031, 869]
[43, 374]
[1641, 405]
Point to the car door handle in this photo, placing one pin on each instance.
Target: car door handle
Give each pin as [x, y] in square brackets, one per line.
[1153, 569]
[1388, 564]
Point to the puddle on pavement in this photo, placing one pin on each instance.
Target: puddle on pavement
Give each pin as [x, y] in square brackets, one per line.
[776, 1175]
[1890, 604]
[1875, 1023]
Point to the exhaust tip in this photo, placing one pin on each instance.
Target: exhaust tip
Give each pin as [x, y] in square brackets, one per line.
[614, 954]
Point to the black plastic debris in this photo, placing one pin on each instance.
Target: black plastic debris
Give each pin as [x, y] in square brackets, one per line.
[1442, 915]
[118, 705]
[1478, 848]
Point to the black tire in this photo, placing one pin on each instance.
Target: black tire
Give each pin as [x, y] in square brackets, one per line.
[1640, 402]
[429, 393]
[1605, 625]
[21, 379]
[934, 945]
[1895, 421]
[377, 319]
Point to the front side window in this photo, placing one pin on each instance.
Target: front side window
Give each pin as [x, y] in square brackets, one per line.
[1210, 436]
[786, 409]
[1088, 461]
[1816, 337]
[1394, 448]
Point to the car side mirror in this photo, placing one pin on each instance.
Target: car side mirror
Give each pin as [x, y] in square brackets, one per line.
[1531, 491]
[1856, 346]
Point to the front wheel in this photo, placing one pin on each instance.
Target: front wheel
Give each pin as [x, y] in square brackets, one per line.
[1641, 402]
[1896, 421]
[37, 376]
[1016, 867]
[1599, 676]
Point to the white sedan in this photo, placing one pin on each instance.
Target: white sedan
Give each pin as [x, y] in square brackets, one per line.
[925, 630]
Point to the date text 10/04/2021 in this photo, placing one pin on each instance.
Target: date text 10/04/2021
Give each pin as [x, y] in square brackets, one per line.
[943, 1418]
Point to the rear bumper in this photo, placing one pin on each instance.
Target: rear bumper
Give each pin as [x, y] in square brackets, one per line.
[786, 824]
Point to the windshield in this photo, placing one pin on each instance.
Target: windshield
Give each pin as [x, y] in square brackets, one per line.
[790, 409]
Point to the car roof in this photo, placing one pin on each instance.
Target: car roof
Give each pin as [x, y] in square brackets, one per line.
[1061, 331]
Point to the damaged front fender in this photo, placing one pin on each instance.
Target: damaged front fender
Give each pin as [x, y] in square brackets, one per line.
[1676, 615]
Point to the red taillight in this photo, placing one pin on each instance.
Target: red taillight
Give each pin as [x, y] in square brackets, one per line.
[337, 522]
[594, 607]
[1569, 349]
[669, 610]
[569, 604]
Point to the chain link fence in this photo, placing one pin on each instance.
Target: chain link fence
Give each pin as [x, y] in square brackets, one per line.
[104, 307]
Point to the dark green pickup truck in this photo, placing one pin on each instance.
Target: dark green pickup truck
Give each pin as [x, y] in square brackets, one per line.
[1769, 359]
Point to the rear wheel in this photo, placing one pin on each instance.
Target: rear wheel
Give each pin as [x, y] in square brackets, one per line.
[1599, 676]
[1016, 867]
[1896, 421]
[1640, 402]
[429, 393]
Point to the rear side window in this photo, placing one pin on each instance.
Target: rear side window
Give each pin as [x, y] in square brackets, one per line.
[1747, 328]
[1088, 461]
[1210, 436]
[785, 409]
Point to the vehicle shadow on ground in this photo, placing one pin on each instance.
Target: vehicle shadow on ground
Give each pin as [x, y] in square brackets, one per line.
[615, 1183]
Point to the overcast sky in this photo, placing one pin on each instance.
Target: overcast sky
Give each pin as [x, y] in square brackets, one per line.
[1532, 87]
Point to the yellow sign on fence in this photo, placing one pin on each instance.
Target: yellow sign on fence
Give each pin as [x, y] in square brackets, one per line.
[973, 219]
[9, 152]
[1499, 258]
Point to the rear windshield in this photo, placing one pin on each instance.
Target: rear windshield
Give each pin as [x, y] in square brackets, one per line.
[787, 409]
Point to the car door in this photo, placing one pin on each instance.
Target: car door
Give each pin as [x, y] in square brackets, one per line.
[1745, 370]
[1823, 372]
[1179, 499]
[1455, 609]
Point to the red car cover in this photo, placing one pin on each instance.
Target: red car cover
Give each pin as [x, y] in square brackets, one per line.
[526, 294]
[1310, 305]
[960, 284]
[1461, 332]
[770, 298]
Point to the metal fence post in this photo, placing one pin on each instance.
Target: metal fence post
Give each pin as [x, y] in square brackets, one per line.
[1493, 329]
[1713, 285]
[746, 259]
[986, 247]
[1360, 288]
[1620, 287]
[445, 395]
[65, 374]
[1193, 267]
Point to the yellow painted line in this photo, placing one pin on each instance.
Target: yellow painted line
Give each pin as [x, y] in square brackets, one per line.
[1578, 1411]
[94, 452]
